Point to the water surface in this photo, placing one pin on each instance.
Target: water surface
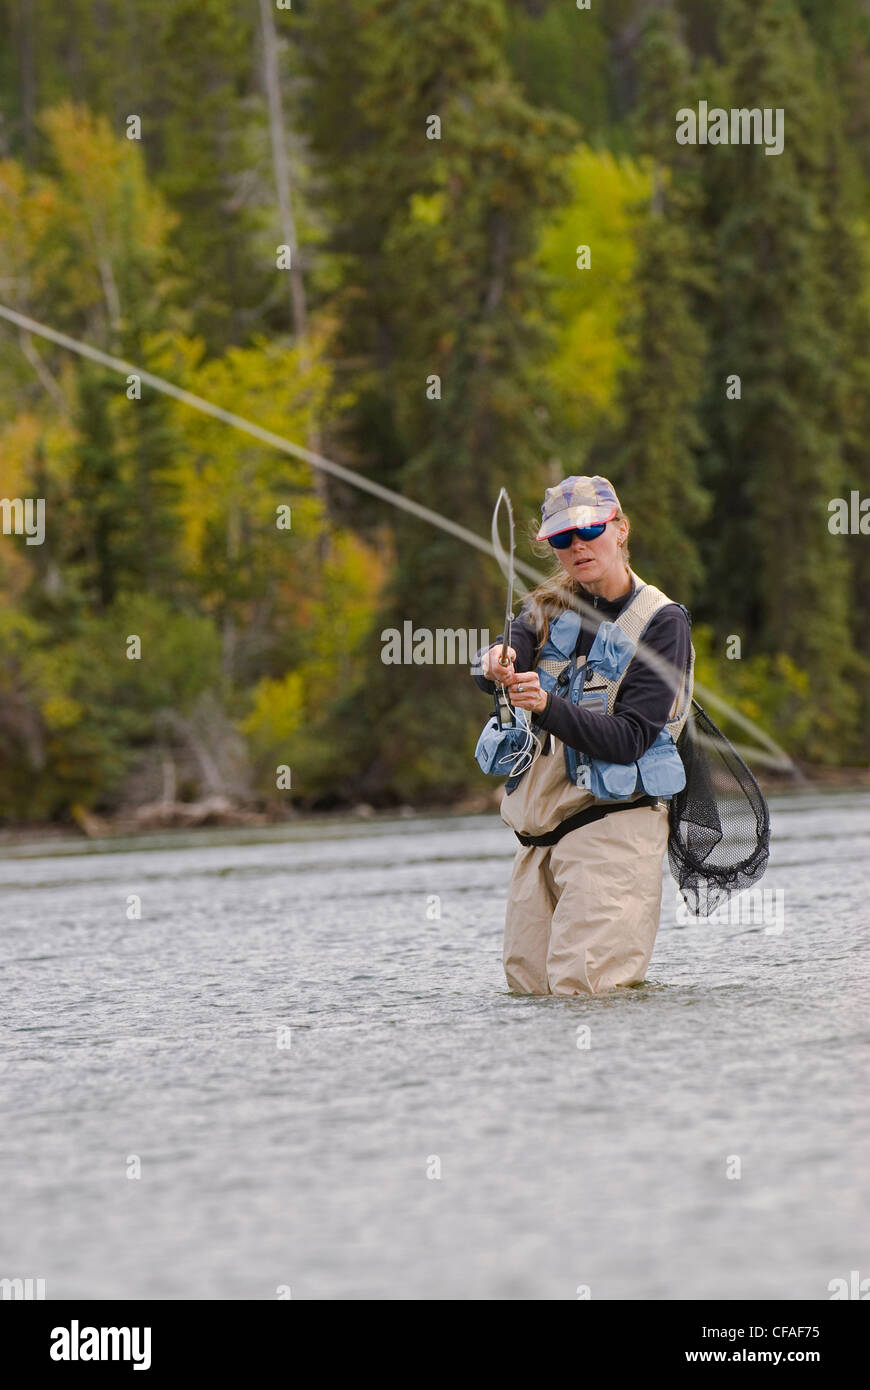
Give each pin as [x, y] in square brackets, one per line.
[307, 1165]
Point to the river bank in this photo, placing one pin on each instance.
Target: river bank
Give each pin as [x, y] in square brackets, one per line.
[223, 812]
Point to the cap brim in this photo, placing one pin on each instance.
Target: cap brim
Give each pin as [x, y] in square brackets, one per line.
[570, 517]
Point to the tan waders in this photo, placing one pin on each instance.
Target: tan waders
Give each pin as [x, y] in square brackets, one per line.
[583, 913]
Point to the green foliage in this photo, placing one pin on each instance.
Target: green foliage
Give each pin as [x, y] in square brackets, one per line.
[769, 689]
[449, 259]
[561, 59]
[589, 307]
[84, 708]
[652, 455]
[306, 718]
[776, 456]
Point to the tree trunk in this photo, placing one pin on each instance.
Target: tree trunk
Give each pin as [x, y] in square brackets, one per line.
[281, 167]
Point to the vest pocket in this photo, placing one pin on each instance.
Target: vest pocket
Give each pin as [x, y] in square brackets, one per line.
[613, 781]
[661, 767]
[611, 651]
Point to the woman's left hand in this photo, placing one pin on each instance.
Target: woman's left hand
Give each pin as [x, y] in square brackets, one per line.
[525, 691]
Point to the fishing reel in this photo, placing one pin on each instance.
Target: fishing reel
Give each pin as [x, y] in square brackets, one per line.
[504, 710]
[506, 746]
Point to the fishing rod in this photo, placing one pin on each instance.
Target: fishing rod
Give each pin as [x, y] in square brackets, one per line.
[503, 708]
[506, 745]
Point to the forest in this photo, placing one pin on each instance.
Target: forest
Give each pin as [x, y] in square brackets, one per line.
[452, 248]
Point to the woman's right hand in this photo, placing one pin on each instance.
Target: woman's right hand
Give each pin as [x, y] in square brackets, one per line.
[491, 665]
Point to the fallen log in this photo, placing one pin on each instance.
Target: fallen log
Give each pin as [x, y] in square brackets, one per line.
[211, 810]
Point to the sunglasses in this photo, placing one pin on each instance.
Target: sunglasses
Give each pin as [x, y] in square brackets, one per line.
[586, 533]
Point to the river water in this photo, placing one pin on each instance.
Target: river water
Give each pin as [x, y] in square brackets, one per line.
[306, 1049]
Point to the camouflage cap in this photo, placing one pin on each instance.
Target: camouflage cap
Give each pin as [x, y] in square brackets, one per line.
[577, 502]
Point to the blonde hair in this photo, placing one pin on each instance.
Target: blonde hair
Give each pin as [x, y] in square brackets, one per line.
[555, 594]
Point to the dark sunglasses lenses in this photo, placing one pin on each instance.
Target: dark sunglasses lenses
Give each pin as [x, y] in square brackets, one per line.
[586, 533]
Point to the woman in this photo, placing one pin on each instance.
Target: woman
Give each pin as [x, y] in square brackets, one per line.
[585, 892]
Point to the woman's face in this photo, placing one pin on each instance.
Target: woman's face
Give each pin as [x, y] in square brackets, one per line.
[599, 562]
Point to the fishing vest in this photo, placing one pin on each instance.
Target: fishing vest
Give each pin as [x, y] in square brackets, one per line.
[593, 682]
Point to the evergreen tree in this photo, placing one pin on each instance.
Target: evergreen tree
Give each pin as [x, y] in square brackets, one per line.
[653, 461]
[439, 236]
[847, 245]
[775, 573]
[549, 46]
[206, 67]
[841, 32]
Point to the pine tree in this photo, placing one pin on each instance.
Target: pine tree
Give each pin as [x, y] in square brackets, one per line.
[548, 45]
[204, 164]
[653, 461]
[775, 573]
[847, 245]
[438, 237]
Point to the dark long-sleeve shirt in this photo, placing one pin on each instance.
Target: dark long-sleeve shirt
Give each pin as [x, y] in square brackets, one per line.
[643, 702]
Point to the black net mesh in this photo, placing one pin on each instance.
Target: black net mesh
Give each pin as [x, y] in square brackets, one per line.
[720, 825]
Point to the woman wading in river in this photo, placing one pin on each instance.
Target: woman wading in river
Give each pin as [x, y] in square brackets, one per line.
[590, 811]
